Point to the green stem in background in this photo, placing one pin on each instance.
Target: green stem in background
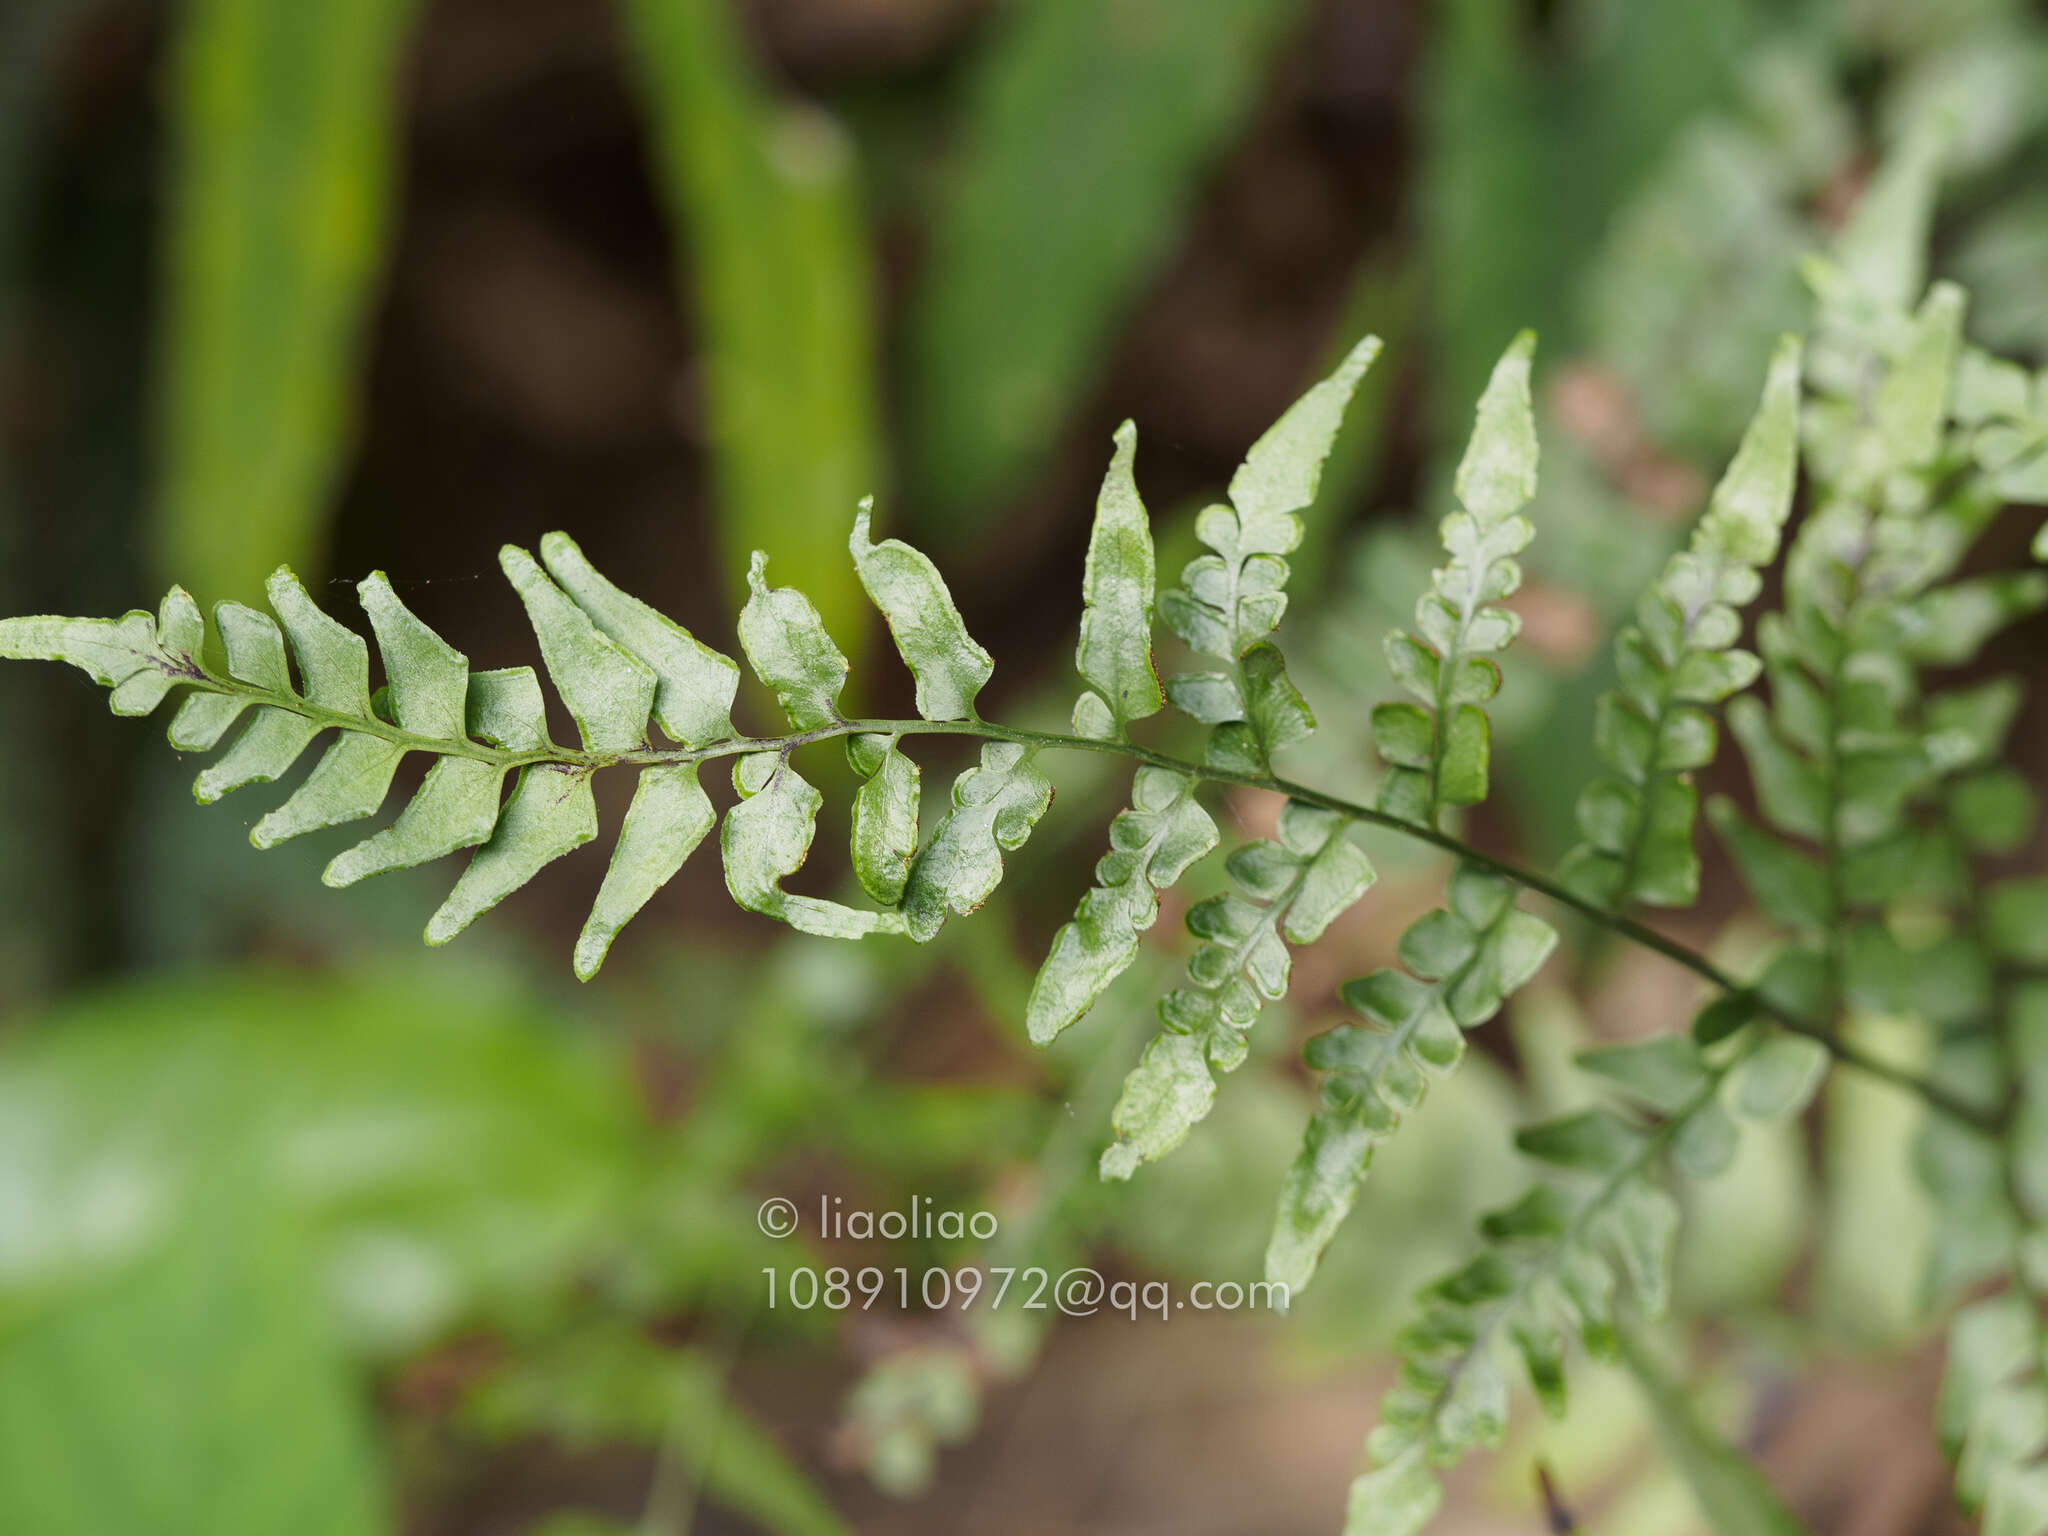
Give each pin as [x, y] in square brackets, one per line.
[1626, 927]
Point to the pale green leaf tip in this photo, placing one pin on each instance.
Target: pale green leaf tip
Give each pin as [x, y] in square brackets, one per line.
[757, 573]
[343, 870]
[1786, 357]
[1363, 354]
[592, 945]
[862, 539]
[1119, 1160]
[1126, 439]
[1945, 304]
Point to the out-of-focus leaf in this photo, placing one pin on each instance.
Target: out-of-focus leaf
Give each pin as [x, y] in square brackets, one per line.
[764, 199]
[1732, 1494]
[285, 120]
[1084, 137]
[2000, 259]
[1543, 136]
[197, 1391]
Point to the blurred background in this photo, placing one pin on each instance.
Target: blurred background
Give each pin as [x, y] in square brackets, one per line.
[304, 1228]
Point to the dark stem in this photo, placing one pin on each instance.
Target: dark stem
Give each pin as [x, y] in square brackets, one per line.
[738, 746]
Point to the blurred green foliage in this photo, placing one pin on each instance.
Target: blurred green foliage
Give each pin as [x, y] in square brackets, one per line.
[1084, 136]
[286, 131]
[197, 1390]
[766, 200]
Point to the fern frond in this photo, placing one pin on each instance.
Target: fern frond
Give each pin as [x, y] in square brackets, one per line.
[1468, 957]
[1232, 602]
[1677, 661]
[1876, 788]
[617, 665]
[1463, 960]
[1288, 891]
[1851, 742]
[1555, 1260]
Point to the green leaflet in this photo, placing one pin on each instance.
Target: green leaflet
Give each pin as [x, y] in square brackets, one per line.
[995, 806]
[1780, 1077]
[1151, 846]
[788, 648]
[2006, 413]
[1114, 657]
[694, 684]
[884, 816]
[1993, 1409]
[1437, 755]
[1787, 884]
[1234, 598]
[1466, 959]
[1883, 247]
[949, 667]
[1398, 1499]
[668, 818]
[138, 658]
[551, 812]
[1288, 891]
[1677, 661]
[609, 691]
[766, 838]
